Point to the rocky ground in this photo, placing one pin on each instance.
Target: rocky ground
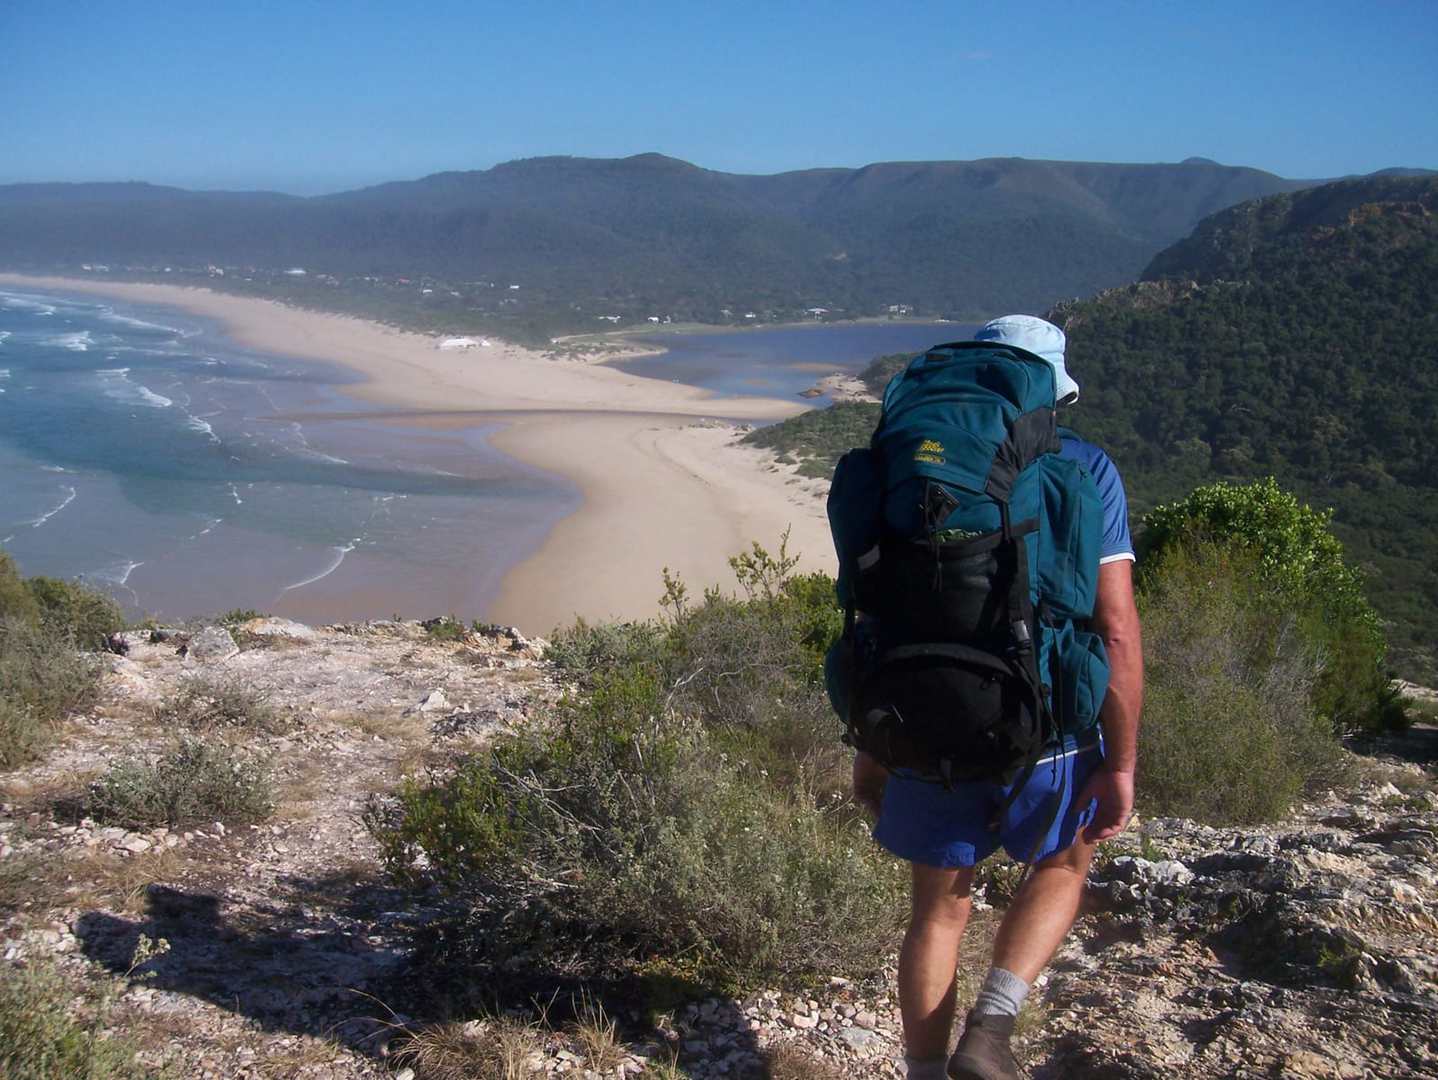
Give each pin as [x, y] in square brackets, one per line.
[1302, 949]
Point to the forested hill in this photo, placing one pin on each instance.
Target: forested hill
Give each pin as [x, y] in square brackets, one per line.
[654, 235]
[1293, 336]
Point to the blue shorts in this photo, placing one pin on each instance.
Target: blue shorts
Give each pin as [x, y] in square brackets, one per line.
[950, 827]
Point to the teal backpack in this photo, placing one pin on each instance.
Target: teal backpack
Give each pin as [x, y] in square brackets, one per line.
[971, 549]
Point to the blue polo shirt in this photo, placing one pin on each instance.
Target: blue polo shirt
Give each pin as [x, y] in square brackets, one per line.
[1117, 544]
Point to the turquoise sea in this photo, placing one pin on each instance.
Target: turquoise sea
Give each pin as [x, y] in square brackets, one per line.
[144, 453]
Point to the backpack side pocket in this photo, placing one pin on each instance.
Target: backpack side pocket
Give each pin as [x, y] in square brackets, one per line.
[855, 507]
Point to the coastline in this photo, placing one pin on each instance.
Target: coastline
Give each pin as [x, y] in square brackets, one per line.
[662, 479]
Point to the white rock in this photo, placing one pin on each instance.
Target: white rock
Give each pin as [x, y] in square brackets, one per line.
[433, 702]
[212, 645]
[276, 627]
[137, 844]
[801, 1020]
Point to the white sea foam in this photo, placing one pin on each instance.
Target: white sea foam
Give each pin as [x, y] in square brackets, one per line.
[54, 468]
[116, 574]
[158, 401]
[339, 557]
[236, 493]
[68, 498]
[195, 423]
[140, 324]
[3, 335]
[118, 387]
[21, 303]
[309, 451]
[4, 373]
[79, 341]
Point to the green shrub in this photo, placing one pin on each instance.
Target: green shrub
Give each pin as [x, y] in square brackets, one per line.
[74, 610]
[1300, 563]
[45, 1036]
[203, 705]
[445, 628]
[658, 844]
[583, 650]
[194, 783]
[43, 678]
[1230, 733]
[16, 601]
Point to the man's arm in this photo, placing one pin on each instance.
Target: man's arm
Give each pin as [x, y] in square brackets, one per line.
[1115, 619]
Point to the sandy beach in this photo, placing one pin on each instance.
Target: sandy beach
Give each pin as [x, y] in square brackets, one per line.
[663, 481]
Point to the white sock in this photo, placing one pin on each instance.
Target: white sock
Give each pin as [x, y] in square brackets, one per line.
[1002, 994]
[926, 1069]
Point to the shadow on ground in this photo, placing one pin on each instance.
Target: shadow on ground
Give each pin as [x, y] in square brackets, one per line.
[356, 962]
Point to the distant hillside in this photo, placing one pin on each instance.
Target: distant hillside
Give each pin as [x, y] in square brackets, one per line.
[1295, 336]
[653, 235]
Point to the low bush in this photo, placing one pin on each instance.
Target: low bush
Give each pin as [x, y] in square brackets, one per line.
[43, 678]
[16, 600]
[683, 805]
[204, 705]
[654, 841]
[1230, 732]
[194, 783]
[1300, 563]
[583, 650]
[70, 609]
[46, 1035]
[445, 628]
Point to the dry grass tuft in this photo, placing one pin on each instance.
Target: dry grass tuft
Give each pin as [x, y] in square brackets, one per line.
[92, 880]
[502, 1048]
[597, 1035]
[787, 1061]
[204, 704]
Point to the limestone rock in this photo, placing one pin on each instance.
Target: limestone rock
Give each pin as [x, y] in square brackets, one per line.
[272, 627]
[212, 645]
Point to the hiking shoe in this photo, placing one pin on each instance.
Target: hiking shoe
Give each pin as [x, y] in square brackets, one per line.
[983, 1053]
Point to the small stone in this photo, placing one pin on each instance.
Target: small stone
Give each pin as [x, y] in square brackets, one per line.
[433, 702]
[404, 1074]
[858, 1038]
[801, 1020]
[867, 1019]
[136, 844]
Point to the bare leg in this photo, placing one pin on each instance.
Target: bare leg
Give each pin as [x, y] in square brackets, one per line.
[930, 958]
[1043, 912]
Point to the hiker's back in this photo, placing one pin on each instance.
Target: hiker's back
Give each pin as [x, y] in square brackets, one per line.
[974, 542]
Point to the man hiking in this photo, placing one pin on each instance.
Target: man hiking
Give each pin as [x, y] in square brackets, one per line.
[1077, 791]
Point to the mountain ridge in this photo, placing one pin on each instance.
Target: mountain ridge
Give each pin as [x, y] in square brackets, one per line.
[651, 234]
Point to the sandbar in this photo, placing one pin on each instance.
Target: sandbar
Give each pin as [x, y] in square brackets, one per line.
[664, 480]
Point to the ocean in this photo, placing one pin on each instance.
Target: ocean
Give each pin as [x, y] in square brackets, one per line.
[144, 453]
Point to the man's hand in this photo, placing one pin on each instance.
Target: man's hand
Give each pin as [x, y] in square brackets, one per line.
[869, 780]
[1114, 792]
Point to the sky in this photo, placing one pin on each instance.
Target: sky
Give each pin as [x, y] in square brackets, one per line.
[307, 96]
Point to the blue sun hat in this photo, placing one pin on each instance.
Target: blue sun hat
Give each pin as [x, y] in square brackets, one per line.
[1040, 337]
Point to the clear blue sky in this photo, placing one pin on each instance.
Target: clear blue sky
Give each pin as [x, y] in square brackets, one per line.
[312, 95]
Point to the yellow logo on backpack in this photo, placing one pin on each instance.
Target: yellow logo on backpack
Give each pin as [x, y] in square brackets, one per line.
[930, 452]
